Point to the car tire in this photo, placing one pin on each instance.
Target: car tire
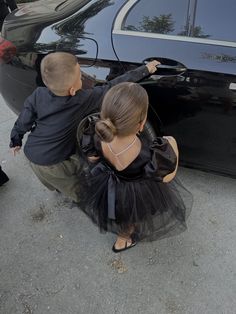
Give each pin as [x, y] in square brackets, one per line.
[148, 133]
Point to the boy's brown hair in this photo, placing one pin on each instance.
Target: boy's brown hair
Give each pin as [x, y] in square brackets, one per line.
[58, 70]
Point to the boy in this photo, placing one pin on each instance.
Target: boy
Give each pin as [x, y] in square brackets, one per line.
[52, 115]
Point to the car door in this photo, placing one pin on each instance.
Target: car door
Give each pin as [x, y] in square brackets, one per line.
[197, 106]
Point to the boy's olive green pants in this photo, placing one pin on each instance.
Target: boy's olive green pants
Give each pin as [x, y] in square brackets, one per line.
[62, 176]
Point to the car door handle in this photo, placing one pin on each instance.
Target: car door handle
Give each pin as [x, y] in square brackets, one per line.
[167, 66]
[172, 68]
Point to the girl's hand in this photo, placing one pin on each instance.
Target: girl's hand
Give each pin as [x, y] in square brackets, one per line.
[174, 146]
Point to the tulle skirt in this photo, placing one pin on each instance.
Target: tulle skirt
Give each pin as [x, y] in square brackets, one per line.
[150, 208]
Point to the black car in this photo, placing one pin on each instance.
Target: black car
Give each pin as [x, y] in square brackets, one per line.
[193, 93]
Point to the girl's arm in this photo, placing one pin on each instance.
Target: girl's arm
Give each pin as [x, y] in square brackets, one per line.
[173, 144]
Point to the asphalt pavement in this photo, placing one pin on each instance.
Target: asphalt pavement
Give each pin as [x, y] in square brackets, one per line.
[54, 260]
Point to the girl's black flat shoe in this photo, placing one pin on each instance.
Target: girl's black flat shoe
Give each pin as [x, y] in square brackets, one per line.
[127, 246]
[3, 177]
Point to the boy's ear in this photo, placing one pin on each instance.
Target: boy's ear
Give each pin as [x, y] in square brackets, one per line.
[72, 91]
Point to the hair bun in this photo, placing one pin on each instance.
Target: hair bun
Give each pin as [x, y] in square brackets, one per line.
[109, 124]
[105, 129]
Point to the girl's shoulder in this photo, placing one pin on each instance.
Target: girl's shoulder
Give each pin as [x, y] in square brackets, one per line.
[162, 158]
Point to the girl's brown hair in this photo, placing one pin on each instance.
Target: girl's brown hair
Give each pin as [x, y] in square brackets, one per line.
[124, 107]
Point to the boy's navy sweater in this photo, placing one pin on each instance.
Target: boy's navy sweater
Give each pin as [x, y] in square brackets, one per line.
[53, 120]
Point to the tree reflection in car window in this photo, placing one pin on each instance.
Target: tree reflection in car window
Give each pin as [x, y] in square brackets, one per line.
[217, 18]
[193, 18]
[162, 16]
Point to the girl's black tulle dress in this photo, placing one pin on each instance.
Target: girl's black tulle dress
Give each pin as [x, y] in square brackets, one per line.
[116, 200]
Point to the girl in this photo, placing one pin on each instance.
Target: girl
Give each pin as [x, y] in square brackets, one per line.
[126, 188]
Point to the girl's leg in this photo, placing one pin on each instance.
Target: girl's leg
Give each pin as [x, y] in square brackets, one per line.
[124, 239]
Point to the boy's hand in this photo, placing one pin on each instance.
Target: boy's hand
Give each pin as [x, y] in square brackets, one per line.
[15, 150]
[152, 66]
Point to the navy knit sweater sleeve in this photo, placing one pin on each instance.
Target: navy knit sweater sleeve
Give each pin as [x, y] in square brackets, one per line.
[98, 92]
[25, 122]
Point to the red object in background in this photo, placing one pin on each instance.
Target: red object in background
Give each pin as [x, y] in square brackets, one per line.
[7, 50]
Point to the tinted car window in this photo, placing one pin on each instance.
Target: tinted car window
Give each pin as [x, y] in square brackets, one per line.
[162, 16]
[215, 19]
[212, 19]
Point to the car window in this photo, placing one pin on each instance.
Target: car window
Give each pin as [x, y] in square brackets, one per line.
[215, 19]
[162, 16]
[212, 19]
